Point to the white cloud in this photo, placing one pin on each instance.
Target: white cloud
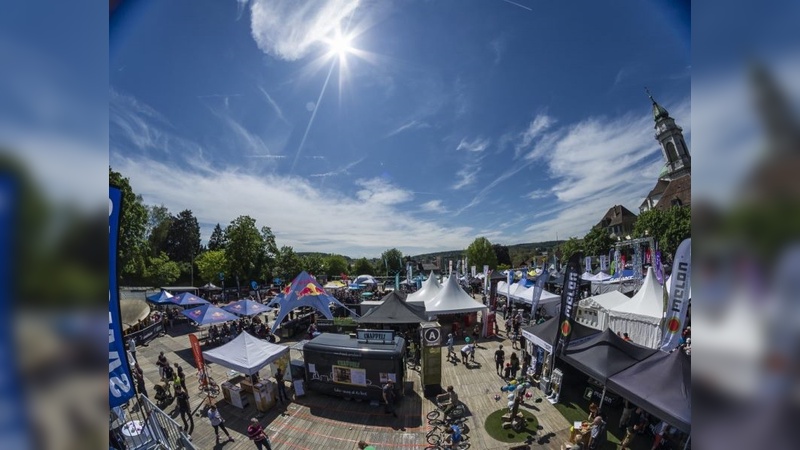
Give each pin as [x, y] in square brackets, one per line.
[433, 206]
[274, 105]
[466, 176]
[538, 125]
[478, 145]
[300, 214]
[538, 193]
[289, 29]
[412, 125]
[380, 191]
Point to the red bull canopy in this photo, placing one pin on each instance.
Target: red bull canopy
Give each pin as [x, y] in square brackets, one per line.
[247, 307]
[304, 290]
[206, 314]
[187, 299]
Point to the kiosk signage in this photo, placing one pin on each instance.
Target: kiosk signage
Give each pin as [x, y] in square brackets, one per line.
[375, 336]
[431, 371]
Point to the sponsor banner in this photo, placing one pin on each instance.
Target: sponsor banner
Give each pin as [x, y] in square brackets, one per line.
[659, 268]
[678, 303]
[569, 300]
[587, 262]
[120, 382]
[196, 351]
[537, 293]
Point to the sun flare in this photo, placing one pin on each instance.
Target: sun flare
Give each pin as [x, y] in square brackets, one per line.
[340, 45]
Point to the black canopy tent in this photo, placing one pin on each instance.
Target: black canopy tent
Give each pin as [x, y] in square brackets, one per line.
[662, 385]
[544, 334]
[604, 356]
[394, 310]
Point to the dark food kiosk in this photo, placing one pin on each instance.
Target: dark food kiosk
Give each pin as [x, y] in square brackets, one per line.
[353, 367]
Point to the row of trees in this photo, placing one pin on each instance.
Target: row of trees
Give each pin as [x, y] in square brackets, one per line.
[159, 248]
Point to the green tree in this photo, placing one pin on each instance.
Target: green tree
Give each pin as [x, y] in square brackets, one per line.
[335, 265]
[217, 239]
[287, 264]
[363, 267]
[210, 264]
[133, 224]
[597, 242]
[570, 247]
[161, 271]
[667, 227]
[392, 261]
[183, 238]
[503, 257]
[158, 223]
[313, 264]
[244, 250]
[481, 252]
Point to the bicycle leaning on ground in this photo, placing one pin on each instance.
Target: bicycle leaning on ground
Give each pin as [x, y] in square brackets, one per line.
[440, 437]
[207, 385]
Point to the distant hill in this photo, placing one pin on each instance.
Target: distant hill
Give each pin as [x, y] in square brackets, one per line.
[518, 252]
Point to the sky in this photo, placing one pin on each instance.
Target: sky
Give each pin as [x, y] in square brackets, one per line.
[357, 126]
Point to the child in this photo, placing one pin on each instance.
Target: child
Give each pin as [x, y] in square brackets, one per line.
[514, 339]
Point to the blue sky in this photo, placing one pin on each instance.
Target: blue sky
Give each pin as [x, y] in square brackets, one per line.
[443, 121]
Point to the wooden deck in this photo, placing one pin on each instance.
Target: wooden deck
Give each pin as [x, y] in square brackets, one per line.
[316, 421]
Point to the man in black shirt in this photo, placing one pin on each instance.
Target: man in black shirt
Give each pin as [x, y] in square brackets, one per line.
[281, 387]
[388, 397]
[499, 359]
[182, 399]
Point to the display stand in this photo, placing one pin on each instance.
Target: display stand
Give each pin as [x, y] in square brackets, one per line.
[234, 395]
[264, 394]
[556, 385]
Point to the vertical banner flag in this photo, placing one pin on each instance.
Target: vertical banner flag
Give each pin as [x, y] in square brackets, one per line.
[120, 382]
[603, 263]
[485, 279]
[537, 293]
[611, 261]
[397, 282]
[621, 266]
[659, 268]
[450, 267]
[474, 271]
[587, 262]
[648, 256]
[508, 285]
[637, 261]
[678, 296]
[569, 298]
[196, 351]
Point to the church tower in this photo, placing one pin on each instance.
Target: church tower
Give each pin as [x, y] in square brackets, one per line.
[673, 146]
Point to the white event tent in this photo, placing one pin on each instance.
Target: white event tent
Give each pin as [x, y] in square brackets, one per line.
[451, 299]
[246, 353]
[641, 316]
[429, 289]
[593, 311]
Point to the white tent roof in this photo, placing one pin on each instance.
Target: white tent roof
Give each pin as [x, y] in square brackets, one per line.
[527, 296]
[451, 299]
[599, 276]
[669, 286]
[246, 353]
[502, 287]
[429, 289]
[647, 303]
[604, 301]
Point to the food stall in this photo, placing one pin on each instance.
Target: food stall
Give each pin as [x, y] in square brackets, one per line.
[245, 357]
[355, 367]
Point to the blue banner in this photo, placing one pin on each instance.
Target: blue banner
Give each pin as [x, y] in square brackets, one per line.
[537, 293]
[120, 383]
[13, 423]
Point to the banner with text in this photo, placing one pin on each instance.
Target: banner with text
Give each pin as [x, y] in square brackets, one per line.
[569, 298]
[537, 293]
[678, 296]
[196, 351]
[120, 383]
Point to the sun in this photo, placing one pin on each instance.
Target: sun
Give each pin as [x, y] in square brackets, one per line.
[340, 45]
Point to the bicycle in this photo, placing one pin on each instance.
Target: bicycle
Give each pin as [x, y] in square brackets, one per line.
[456, 412]
[207, 385]
[439, 431]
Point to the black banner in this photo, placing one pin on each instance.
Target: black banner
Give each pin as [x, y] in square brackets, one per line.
[569, 299]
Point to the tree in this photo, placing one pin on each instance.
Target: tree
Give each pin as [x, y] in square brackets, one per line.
[287, 264]
[158, 223]
[217, 239]
[501, 251]
[133, 223]
[335, 265]
[667, 227]
[210, 264]
[244, 250]
[570, 247]
[313, 264]
[597, 242]
[480, 252]
[362, 267]
[161, 271]
[183, 238]
[392, 261]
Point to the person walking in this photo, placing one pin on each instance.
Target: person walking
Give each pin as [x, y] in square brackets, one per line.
[281, 386]
[218, 422]
[389, 397]
[256, 434]
[499, 360]
[138, 377]
[598, 435]
[184, 408]
[514, 364]
[476, 332]
[180, 378]
[450, 352]
[132, 348]
[162, 364]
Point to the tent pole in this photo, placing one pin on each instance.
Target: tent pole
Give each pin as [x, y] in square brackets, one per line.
[686, 445]
[602, 398]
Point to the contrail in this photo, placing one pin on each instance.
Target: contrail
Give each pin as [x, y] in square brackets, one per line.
[311, 120]
[521, 6]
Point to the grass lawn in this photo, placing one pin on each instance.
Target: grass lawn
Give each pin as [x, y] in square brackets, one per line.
[494, 426]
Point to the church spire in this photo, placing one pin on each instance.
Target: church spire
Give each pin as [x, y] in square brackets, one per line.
[658, 110]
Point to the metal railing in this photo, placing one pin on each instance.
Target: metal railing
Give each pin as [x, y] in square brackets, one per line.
[144, 426]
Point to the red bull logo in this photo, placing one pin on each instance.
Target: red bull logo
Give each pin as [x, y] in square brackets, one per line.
[287, 289]
[310, 289]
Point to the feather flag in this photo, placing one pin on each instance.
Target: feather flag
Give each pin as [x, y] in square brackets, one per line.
[537, 293]
[679, 296]
[569, 298]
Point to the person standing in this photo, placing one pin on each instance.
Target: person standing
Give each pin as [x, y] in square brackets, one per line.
[389, 397]
[161, 363]
[180, 378]
[514, 364]
[138, 377]
[476, 332]
[256, 434]
[217, 422]
[499, 360]
[132, 349]
[450, 352]
[598, 434]
[412, 353]
[281, 386]
[627, 412]
[184, 408]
